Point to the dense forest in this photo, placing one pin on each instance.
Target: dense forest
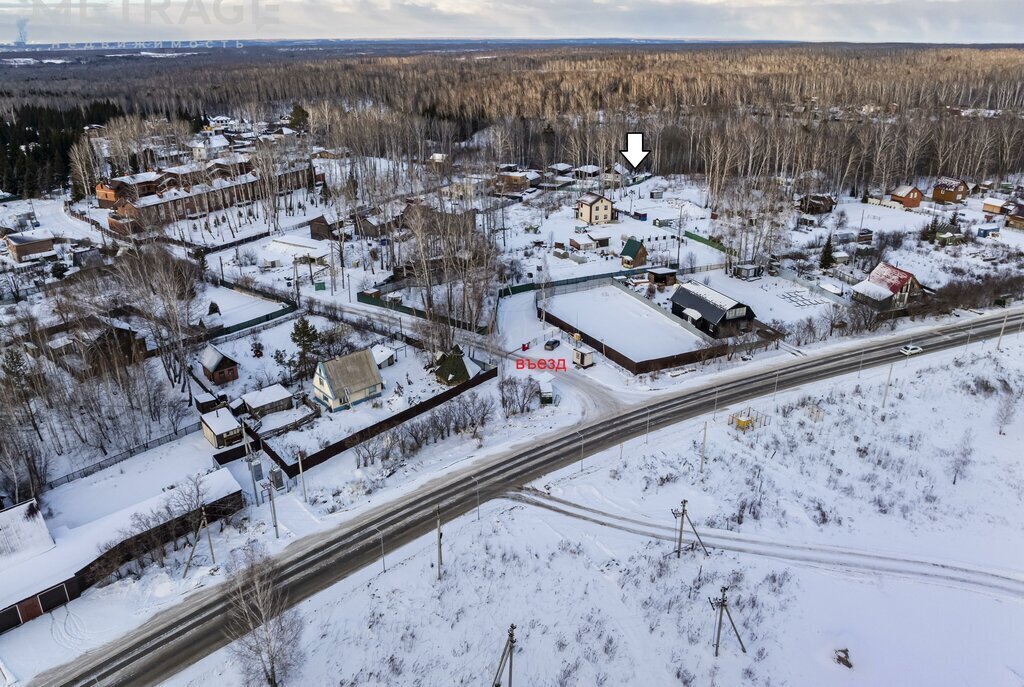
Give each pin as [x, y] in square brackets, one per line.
[849, 118]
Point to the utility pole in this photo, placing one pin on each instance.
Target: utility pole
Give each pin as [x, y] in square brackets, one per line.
[686, 516]
[439, 543]
[716, 404]
[721, 606]
[774, 393]
[209, 537]
[647, 438]
[506, 657]
[295, 277]
[249, 461]
[273, 507]
[861, 366]
[681, 514]
[334, 272]
[885, 395]
[302, 478]
[1002, 329]
[703, 446]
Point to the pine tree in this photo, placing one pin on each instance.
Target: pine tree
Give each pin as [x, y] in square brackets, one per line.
[305, 337]
[828, 258]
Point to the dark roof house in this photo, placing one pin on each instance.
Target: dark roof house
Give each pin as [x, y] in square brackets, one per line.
[711, 311]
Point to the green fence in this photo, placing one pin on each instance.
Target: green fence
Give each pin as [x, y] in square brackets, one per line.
[366, 298]
[708, 242]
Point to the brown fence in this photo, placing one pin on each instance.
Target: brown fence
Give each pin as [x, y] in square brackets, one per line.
[766, 334]
[47, 599]
[356, 438]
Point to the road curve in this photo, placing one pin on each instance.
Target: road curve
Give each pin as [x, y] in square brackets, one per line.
[180, 636]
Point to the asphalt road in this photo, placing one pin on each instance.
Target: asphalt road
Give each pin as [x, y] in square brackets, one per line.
[178, 637]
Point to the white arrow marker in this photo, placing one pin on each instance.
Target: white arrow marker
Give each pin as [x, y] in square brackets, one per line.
[635, 151]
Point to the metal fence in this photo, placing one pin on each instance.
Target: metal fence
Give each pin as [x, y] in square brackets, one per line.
[122, 456]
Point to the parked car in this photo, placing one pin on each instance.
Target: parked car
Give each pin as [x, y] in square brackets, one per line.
[910, 350]
[552, 345]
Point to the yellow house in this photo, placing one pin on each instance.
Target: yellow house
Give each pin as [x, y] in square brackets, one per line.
[593, 208]
[343, 382]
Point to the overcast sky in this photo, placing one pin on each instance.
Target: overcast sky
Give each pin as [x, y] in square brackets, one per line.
[948, 21]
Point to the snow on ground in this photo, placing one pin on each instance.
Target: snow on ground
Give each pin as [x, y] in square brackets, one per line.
[235, 307]
[51, 217]
[618, 320]
[594, 604]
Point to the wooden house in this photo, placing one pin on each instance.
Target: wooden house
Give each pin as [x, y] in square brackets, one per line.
[1015, 217]
[995, 206]
[29, 244]
[907, 196]
[950, 190]
[817, 204]
[343, 382]
[218, 367]
[711, 311]
[633, 254]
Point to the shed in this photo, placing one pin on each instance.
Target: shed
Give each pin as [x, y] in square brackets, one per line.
[582, 356]
[221, 428]
[383, 356]
[666, 276]
[267, 400]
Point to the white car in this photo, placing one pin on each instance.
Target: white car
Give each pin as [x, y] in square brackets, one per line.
[910, 350]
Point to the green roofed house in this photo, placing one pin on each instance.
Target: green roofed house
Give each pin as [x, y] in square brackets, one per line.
[455, 367]
[633, 254]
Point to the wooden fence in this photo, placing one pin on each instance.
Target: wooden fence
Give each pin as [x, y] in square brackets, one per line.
[356, 438]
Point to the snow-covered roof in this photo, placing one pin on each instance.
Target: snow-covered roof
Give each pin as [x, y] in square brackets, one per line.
[875, 292]
[996, 202]
[381, 353]
[661, 270]
[30, 236]
[590, 198]
[75, 548]
[708, 294]
[266, 396]
[560, 167]
[691, 313]
[140, 178]
[588, 169]
[220, 421]
[600, 235]
[948, 183]
[902, 191]
[212, 357]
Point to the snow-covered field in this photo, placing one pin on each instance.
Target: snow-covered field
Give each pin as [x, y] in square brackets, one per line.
[833, 530]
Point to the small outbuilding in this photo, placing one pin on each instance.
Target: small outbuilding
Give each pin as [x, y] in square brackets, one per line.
[662, 276]
[221, 428]
[582, 356]
[633, 254]
[271, 399]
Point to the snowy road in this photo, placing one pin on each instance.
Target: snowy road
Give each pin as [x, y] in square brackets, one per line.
[957, 575]
[182, 635]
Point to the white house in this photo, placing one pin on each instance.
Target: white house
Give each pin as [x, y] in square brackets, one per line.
[343, 382]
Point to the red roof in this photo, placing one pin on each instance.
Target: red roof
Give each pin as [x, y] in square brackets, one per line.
[889, 277]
